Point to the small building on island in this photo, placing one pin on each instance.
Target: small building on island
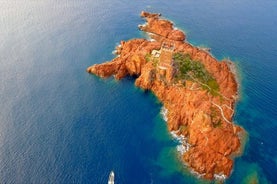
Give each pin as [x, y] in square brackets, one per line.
[166, 64]
[156, 53]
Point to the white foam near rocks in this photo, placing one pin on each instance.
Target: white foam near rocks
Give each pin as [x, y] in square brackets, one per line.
[149, 37]
[183, 145]
[114, 52]
[164, 113]
[220, 176]
[198, 175]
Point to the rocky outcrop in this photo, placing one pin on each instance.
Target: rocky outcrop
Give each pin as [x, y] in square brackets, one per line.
[130, 60]
[176, 35]
[160, 27]
[204, 119]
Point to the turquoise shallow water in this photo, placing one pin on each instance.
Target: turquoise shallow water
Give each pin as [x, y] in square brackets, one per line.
[59, 124]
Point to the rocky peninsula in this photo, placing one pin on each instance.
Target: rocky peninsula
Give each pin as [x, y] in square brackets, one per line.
[197, 91]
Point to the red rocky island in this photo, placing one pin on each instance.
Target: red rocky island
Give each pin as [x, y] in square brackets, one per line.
[197, 91]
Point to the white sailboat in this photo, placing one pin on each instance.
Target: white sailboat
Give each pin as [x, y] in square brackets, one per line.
[111, 178]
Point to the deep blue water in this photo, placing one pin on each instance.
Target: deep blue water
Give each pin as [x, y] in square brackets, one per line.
[59, 124]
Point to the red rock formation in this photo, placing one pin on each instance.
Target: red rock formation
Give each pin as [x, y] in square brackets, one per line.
[161, 27]
[205, 119]
[176, 35]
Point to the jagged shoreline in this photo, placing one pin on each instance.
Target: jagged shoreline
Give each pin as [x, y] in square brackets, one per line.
[198, 112]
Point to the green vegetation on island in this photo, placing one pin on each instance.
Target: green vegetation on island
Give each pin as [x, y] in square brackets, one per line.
[148, 57]
[191, 70]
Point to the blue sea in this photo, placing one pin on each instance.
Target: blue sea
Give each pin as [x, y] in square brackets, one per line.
[59, 124]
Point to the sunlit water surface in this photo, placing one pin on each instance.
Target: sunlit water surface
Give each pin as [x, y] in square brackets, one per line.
[59, 124]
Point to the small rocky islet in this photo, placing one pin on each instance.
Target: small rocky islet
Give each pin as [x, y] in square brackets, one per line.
[198, 93]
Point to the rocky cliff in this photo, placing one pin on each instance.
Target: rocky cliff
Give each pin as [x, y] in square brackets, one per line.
[202, 116]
